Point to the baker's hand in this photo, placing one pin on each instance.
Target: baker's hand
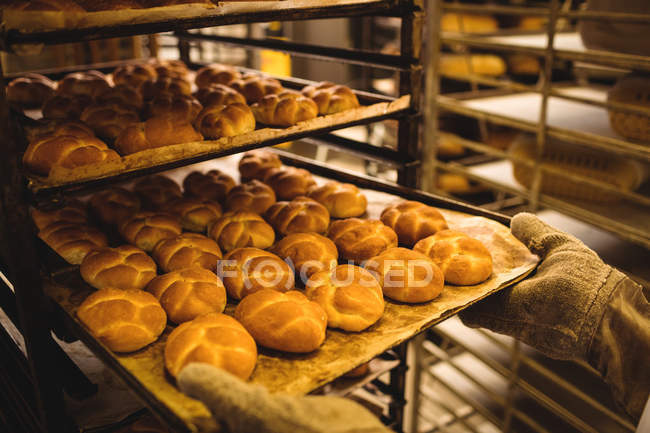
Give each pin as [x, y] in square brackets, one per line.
[242, 407]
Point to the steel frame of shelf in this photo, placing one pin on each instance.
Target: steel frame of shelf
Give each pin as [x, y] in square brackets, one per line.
[20, 251]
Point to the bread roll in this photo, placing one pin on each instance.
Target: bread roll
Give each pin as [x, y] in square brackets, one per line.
[155, 132]
[44, 6]
[463, 260]
[406, 275]
[65, 106]
[215, 73]
[413, 221]
[465, 64]
[179, 107]
[74, 212]
[30, 90]
[185, 251]
[342, 200]
[253, 196]
[146, 229]
[255, 163]
[308, 253]
[468, 23]
[56, 128]
[358, 240]
[188, 293]
[121, 95]
[213, 185]
[112, 206]
[284, 109]
[163, 86]
[633, 89]
[523, 64]
[214, 339]
[450, 147]
[134, 75]
[255, 87]
[72, 241]
[300, 215]
[110, 5]
[283, 321]
[350, 295]
[218, 94]
[157, 191]
[90, 83]
[331, 98]
[216, 121]
[125, 267]
[65, 151]
[108, 121]
[123, 320]
[195, 214]
[248, 270]
[241, 229]
[289, 182]
[170, 68]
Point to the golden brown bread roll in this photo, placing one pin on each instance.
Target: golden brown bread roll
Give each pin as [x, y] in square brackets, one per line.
[125, 267]
[632, 89]
[30, 90]
[284, 109]
[195, 214]
[289, 182]
[406, 275]
[283, 321]
[216, 121]
[215, 74]
[146, 229]
[479, 64]
[114, 205]
[358, 240]
[74, 212]
[155, 132]
[523, 64]
[463, 260]
[72, 241]
[134, 75]
[219, 94]
[121, 95]
[300, 215]
[109, 5]
[108, 121]
[252, 196]
[213, 185]
[90, 83]
[241, 229]
[350, 295]
[186, 251]
[307, 252]
[214, 339]
[342, 200]
[179, 107]
[169, 85]
[45, 5]
[58, 127]
[255, 87]
[188, 293]
[65, 106]
[255, 163]
[157, 191]
[123, 320]
[468, 23]
[413, 221]
[248, 270]
[331, 98]
[170, 68]
[65, 151]
[450, 147]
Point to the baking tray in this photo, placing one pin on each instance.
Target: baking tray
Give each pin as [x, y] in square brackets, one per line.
[302, 373]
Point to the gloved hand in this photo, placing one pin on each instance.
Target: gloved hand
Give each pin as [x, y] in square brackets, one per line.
[242, 407]
[575, 307]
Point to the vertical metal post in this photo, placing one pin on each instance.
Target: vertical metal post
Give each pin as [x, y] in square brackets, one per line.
[515, 362]
[398, 387]
[413, 381]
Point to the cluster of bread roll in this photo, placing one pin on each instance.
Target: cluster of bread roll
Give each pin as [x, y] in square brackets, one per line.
[89, 117]
[272, 244]
[84, 6]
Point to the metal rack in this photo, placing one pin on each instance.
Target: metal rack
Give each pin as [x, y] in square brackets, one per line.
[45, 372]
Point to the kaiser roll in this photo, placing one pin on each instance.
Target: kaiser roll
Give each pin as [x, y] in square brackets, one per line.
[134, 75]
[188, 293]
[54, 127]
[253, 196]
[254, 87]
[406, 275]
[359, 240]
[350, 296]
[74, 212]
[123, 320]
[89, 83]
[62, 106]
[121, 95]
[195, 214]
[241, 229]
[155, 132]
[108, 120]
[213, 185]
[168, 85]
[113, 205]
[463, 260]
[331, 98]
[289, 182]
[284, 109]
[185, 251]
[170, 68]
[72, 241]
[179, 107]
[30, 90]
[218, 94]
[125, 267]
[413, 221]
[300, 215]
[215, 74]
[248, 270]
[255, 163]
[214, 339]
[157, 191]
[308, 252]
[216, 121]
[146, 229]
[342, 200]
[283, 321]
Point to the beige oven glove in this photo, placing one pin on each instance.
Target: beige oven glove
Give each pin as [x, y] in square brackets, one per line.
[242, 407]
[575, 307]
